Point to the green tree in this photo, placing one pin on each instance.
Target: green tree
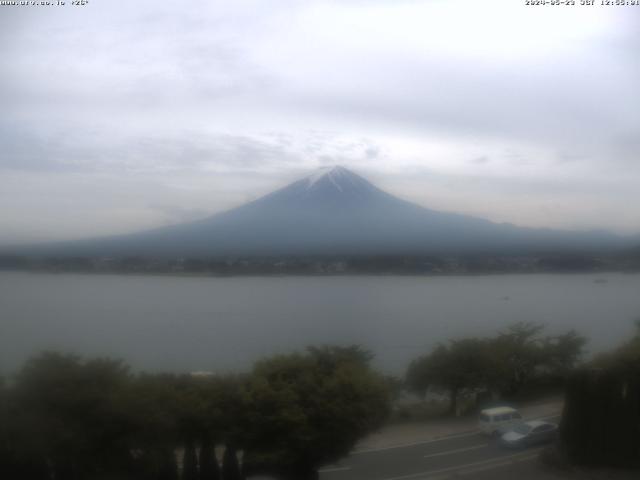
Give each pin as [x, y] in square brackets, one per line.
[517, 352]
[63, 403]
[624, 358]
[166, 467]
[307, 409]
[418, 377]
[601, 419]
[224, 408]
[562, 353]
[502, 364]
[209, 468]
[5, 442]
[457, 366]
[175, 412]
[20, 453]
[190, 462]
[230, 465]
[156, 405]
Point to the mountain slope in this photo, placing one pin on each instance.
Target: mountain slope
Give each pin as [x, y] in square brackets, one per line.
[335, 211]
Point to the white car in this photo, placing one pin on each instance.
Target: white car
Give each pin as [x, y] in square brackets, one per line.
[524, 434]
[493, 420]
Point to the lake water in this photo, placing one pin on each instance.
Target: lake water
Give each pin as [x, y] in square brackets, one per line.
[223, 324]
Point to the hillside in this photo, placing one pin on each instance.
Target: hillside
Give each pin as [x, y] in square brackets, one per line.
[334, 212]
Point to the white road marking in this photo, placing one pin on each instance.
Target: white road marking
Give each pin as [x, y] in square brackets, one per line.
[457, 450]
[430, 473]
[485, 468]
[414, 444]
[334, 469]
[498, 465]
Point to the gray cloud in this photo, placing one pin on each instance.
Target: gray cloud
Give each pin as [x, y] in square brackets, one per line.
[481, 160]
[177, 214]
[83, 152]
[248, 95]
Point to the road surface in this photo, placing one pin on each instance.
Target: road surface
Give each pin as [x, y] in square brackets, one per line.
[465, 455]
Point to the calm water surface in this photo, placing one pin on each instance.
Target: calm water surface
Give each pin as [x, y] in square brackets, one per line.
[222, 324]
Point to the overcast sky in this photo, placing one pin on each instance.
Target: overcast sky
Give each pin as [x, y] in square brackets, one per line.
[121, 115]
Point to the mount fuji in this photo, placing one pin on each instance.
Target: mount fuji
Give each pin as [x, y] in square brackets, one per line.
[333, 212]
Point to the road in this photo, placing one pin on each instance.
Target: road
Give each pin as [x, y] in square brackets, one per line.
[466, 455]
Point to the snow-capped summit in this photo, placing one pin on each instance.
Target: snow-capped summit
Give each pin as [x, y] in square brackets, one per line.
[336, 176]
[327, 186]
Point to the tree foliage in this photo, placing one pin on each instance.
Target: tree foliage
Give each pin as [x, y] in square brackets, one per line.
[60, 405]
[601, 419]
[309, 409]
[503, 364]
[209, 468]
[624, 358]
[460, 364]
[67, 418]
[190, 462]
[230, 465]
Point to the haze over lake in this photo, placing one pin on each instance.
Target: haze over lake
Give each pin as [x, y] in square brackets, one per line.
[224, 324]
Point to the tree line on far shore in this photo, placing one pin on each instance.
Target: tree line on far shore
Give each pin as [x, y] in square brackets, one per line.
[400, 264]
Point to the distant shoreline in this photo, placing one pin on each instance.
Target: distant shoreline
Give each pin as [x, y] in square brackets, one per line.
[321, 275]
[337, 265]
